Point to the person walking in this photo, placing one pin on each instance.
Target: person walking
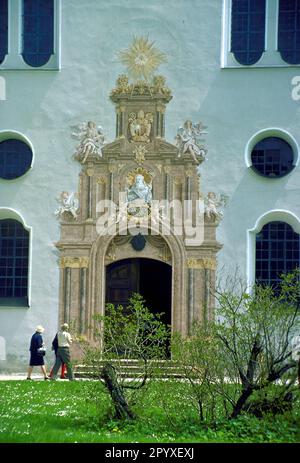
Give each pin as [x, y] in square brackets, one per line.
[37, 352]
[64, 340]
[63, 366]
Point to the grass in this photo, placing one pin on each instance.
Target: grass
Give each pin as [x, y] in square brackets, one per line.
[46, 412]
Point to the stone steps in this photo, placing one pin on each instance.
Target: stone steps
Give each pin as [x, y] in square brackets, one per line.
[133, 369]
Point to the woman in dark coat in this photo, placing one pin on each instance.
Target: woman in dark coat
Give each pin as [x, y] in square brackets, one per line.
[37, 359]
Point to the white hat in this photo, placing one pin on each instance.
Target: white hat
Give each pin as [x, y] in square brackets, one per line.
[39, 329]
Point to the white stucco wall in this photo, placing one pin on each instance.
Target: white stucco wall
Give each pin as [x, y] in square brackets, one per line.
[233, 103]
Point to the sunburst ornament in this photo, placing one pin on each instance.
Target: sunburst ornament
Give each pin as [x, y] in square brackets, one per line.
[142, 58]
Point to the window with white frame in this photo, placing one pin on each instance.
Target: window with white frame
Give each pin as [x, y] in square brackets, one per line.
[261, 33]
[277, 252]
[289, 31]
[29, 34]
[3, 29]
[14, 261]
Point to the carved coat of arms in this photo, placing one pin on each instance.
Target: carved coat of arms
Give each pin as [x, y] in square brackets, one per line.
[139, 126]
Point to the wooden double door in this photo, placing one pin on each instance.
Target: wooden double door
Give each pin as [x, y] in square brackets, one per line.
[150, 278]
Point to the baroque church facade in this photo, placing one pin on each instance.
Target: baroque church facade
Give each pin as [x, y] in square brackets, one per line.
[176, 175]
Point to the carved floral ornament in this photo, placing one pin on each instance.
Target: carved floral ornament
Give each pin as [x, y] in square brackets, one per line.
[74, 262]
[204, 263]
[156, 86]
[140, 154]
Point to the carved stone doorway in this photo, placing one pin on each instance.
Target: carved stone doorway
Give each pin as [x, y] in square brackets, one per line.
[148, 277]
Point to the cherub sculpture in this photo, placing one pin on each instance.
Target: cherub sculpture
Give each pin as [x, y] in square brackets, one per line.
[188, 141]
[68, 204]
[212, 202]
[91, 141]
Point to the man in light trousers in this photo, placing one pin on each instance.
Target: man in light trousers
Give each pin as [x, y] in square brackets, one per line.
[63, 352]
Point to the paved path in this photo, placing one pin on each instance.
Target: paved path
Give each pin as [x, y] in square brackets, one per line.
[21, 376]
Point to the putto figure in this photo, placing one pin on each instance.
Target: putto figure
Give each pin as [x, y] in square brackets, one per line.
[188, 141]
[212, 202]
[140, 126]
[69, 204]
[91, 141]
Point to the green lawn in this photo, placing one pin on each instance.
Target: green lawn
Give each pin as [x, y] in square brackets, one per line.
[64, 411]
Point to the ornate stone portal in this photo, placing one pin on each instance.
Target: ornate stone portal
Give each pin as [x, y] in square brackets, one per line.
[141, 164]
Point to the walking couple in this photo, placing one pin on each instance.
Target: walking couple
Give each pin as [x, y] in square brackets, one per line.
[61, 346]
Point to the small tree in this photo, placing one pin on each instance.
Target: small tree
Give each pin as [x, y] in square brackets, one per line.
[196, 356]
[122, 335]
[247, 350]
[255, 335]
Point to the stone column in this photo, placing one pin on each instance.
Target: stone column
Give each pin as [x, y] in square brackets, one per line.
[82, 296]
[177, 188]
[122, 128]
[190, 299]
[66, 294]
[112, 170]
[167, 170]
[90, 187]
[157, 128]
[101, 188]
[117, 123]
[200, 279]
[74, 290]
[161, 121]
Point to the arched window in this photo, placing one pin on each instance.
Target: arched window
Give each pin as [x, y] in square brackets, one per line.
[14, 254]
[272, 157]
[277, 252]
[15, 158]
[289, 31]
[38, 31]
[248, 30]
[3, 29]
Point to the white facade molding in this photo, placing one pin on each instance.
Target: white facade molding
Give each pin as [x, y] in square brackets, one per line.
[9, 134]
[275, 215]
[271, 57]
[14, 59]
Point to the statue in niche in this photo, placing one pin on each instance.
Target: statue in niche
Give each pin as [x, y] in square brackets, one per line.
[212, 202]
[91, 141]
[69, 204]
[140, 194]
[188, 141]
[140, 126]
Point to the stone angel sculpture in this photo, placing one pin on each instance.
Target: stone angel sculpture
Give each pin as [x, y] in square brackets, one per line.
[188, 140]
[68, 203]
[212, 203]
[91, 140]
